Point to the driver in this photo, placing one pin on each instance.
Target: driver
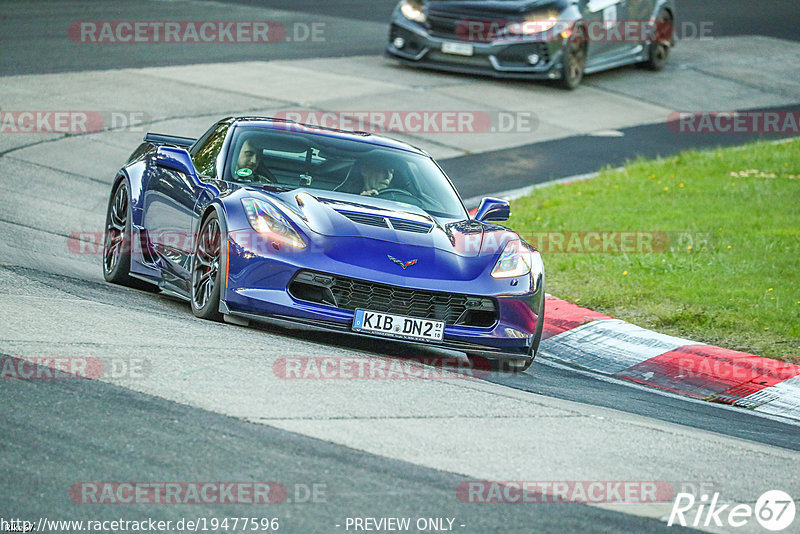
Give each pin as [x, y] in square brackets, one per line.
[369, 176]
[375, 177]
[248, 162]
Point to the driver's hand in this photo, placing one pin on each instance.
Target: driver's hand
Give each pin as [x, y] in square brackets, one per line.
[370, 192]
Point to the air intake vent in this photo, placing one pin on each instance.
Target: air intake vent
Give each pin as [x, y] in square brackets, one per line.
[351, 293]
[384, 222]
[365, 218]
[410, 226]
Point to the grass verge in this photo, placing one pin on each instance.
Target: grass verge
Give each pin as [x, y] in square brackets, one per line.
[703, 245]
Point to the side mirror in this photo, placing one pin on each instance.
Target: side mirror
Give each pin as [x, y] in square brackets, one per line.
[493, 209]
[175, 159]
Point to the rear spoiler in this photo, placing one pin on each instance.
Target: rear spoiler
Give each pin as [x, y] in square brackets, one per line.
[162, 139]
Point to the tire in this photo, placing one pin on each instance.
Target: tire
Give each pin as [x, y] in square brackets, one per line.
[574, 61]
[512, 365]
[658, 51]
[505, 365]
[206, 272]
[117, 239]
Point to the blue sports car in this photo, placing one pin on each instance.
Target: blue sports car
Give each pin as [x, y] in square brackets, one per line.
[270, 220]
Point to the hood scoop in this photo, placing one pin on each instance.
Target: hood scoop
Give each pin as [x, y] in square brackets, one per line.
[383, 221]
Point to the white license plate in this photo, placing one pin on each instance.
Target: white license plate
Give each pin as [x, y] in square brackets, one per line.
[398, 326]
[459, 49]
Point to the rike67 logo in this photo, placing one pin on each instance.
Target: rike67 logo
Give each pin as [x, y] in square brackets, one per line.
[774, 510]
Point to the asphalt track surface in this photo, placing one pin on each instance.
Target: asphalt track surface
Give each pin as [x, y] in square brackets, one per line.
[139, 437]
[55, 433]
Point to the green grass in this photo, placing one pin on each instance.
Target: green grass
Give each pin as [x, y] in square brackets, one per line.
[730, 275]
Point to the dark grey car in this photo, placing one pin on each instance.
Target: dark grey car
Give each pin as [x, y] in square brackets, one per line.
[534, 39]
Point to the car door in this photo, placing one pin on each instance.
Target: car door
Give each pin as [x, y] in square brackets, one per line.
[171, 206]
[639, 12]
[605, 22]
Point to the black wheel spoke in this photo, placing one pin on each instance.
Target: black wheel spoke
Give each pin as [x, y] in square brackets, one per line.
[206, 264]
[113, 243]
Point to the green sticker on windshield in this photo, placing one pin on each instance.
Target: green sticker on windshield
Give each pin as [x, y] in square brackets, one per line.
[244, 172]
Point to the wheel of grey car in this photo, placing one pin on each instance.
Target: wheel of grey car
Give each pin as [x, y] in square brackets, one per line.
[117, 239]
[659, 49]
[206, 273]
[574, 61]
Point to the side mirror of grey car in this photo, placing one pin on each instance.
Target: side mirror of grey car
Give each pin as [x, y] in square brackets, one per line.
[493, 209]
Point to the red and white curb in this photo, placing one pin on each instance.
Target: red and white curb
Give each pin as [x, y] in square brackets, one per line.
[584, 338]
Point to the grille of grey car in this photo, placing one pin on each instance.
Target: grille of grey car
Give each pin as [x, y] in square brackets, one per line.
[464, 28]
[350, 293]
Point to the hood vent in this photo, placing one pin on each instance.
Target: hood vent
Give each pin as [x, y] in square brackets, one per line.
[401, 225]
[364, 218]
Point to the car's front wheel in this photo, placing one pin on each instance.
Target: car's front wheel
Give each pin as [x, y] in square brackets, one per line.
[574, 61]
[206, 274]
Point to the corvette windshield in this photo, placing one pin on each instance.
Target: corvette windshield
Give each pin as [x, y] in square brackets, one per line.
[287, 159]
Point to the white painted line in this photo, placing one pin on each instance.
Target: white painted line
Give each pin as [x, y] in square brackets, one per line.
[514, 194]
[606, 133]
[609, 345]
[781, 399]
[543, 360]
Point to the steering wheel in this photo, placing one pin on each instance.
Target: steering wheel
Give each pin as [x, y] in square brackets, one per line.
[264, 177]
[261, 176]
[401, 192]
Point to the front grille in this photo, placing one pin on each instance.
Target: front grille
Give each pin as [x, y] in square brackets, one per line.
[350, 293]
[465, 28]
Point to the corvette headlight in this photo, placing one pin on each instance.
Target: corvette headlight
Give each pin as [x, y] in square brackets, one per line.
[515, 260]
[268, 221]
[518, 260]
[412, 11]
[534, 23]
